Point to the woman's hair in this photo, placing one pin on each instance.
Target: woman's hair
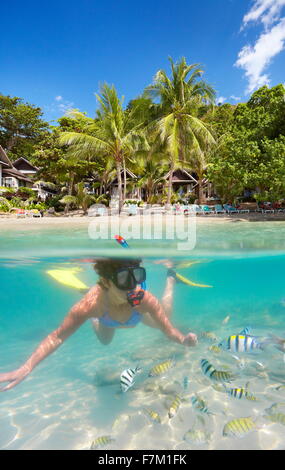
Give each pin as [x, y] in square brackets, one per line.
[106, 267]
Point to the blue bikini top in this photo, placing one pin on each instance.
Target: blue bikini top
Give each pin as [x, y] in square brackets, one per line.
[134, 319]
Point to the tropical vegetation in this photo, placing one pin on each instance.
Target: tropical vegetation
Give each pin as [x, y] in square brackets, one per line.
[173, 124]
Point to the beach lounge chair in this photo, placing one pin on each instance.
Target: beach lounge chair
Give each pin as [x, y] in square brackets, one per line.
[219, 209]
[102, 211]
[231, 209]
[35, 213]
[195, 208]
[176, 209]
[207, 210]
[20, 213]
[132, 209]
[157, 209]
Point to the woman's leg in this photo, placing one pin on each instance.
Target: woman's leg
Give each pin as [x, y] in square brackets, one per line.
[167, 299]
[103, 333]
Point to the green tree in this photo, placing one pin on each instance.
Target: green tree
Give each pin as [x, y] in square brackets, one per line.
[251, 151]
[21, 126]
[186, 137]
[80, 199]
[113, 134]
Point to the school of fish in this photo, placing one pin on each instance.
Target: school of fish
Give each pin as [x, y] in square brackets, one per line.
[219, 377]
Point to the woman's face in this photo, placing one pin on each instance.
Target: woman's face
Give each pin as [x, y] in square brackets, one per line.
[116, 295]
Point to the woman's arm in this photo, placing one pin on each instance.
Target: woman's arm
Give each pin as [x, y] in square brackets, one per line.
[79, 313]
[151, 304]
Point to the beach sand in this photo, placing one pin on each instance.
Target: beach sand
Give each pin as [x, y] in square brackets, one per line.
[54, 418]
[12, 222]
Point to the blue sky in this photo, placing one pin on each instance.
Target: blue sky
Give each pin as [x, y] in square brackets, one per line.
[55, 54]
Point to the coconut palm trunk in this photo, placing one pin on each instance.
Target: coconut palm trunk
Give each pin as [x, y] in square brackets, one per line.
[169, 193]
[70, 190]
[200, 191]
[125, 179]
[120, 189]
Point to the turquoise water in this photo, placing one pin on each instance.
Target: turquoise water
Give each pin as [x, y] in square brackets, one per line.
[73, 396]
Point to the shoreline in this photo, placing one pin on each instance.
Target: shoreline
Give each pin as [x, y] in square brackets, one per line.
[12, 222]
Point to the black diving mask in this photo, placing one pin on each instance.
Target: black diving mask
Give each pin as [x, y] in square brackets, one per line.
[129, 277]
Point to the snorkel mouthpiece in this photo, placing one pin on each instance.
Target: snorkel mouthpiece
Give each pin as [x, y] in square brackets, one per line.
[135, 297]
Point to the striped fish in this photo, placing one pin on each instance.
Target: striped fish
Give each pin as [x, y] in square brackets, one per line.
[127, 378]
[216, 375]
[101, 442]
[197, 437]
[241, 343]
[200, 405]
[276, 418]
[245, 331]
[280, 387]
[152, 415]
[174, 406]
[161, 368]
[215, 349]
[240, 393]
[239, 427]
[209, 335]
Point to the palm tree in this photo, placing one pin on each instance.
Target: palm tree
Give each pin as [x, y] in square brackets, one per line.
[112, 135]
[184, 135]
[81, 199]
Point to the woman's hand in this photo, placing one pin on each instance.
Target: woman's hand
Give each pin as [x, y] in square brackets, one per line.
[190, 339]
[14, 378]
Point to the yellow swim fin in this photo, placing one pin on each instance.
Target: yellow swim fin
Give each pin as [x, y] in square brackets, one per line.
[186, 264]
[188, 282]
[68, 277]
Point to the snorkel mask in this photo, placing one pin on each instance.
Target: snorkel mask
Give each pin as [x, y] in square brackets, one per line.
[127, 279]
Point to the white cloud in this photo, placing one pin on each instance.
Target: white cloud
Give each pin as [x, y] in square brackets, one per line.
[254, 59]
[266, 11]
[65, 106]
[220, 100]
[59, 105]
[235, 98]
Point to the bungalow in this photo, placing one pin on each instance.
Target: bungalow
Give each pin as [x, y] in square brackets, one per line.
[4, 163]
[10, 176]
[132, 193]
[112, 188]
[186, 182]
[25, 167]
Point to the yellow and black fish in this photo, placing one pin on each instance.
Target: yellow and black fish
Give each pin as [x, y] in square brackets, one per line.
[239, 427]
[214, 374]
[243, 343]
[152, 415]
[101, 442]
[215, 349]
[200, 405]
[274, 415]
[240, 393]
[161, 368]
[197, 437]
[174, 406]
[209, 335]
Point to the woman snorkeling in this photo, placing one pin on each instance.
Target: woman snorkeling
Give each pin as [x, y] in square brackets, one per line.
[118, 300]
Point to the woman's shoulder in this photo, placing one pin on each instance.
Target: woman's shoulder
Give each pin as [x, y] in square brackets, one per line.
[149, 300]
[91, 300]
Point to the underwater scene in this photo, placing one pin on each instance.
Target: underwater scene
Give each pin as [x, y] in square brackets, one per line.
[142, 390]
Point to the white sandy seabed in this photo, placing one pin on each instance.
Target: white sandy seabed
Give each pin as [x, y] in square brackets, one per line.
[64, 405]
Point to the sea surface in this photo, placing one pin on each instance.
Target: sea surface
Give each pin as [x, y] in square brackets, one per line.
[73, 397]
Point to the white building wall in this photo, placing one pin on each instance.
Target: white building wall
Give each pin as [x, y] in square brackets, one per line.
[0, 174]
